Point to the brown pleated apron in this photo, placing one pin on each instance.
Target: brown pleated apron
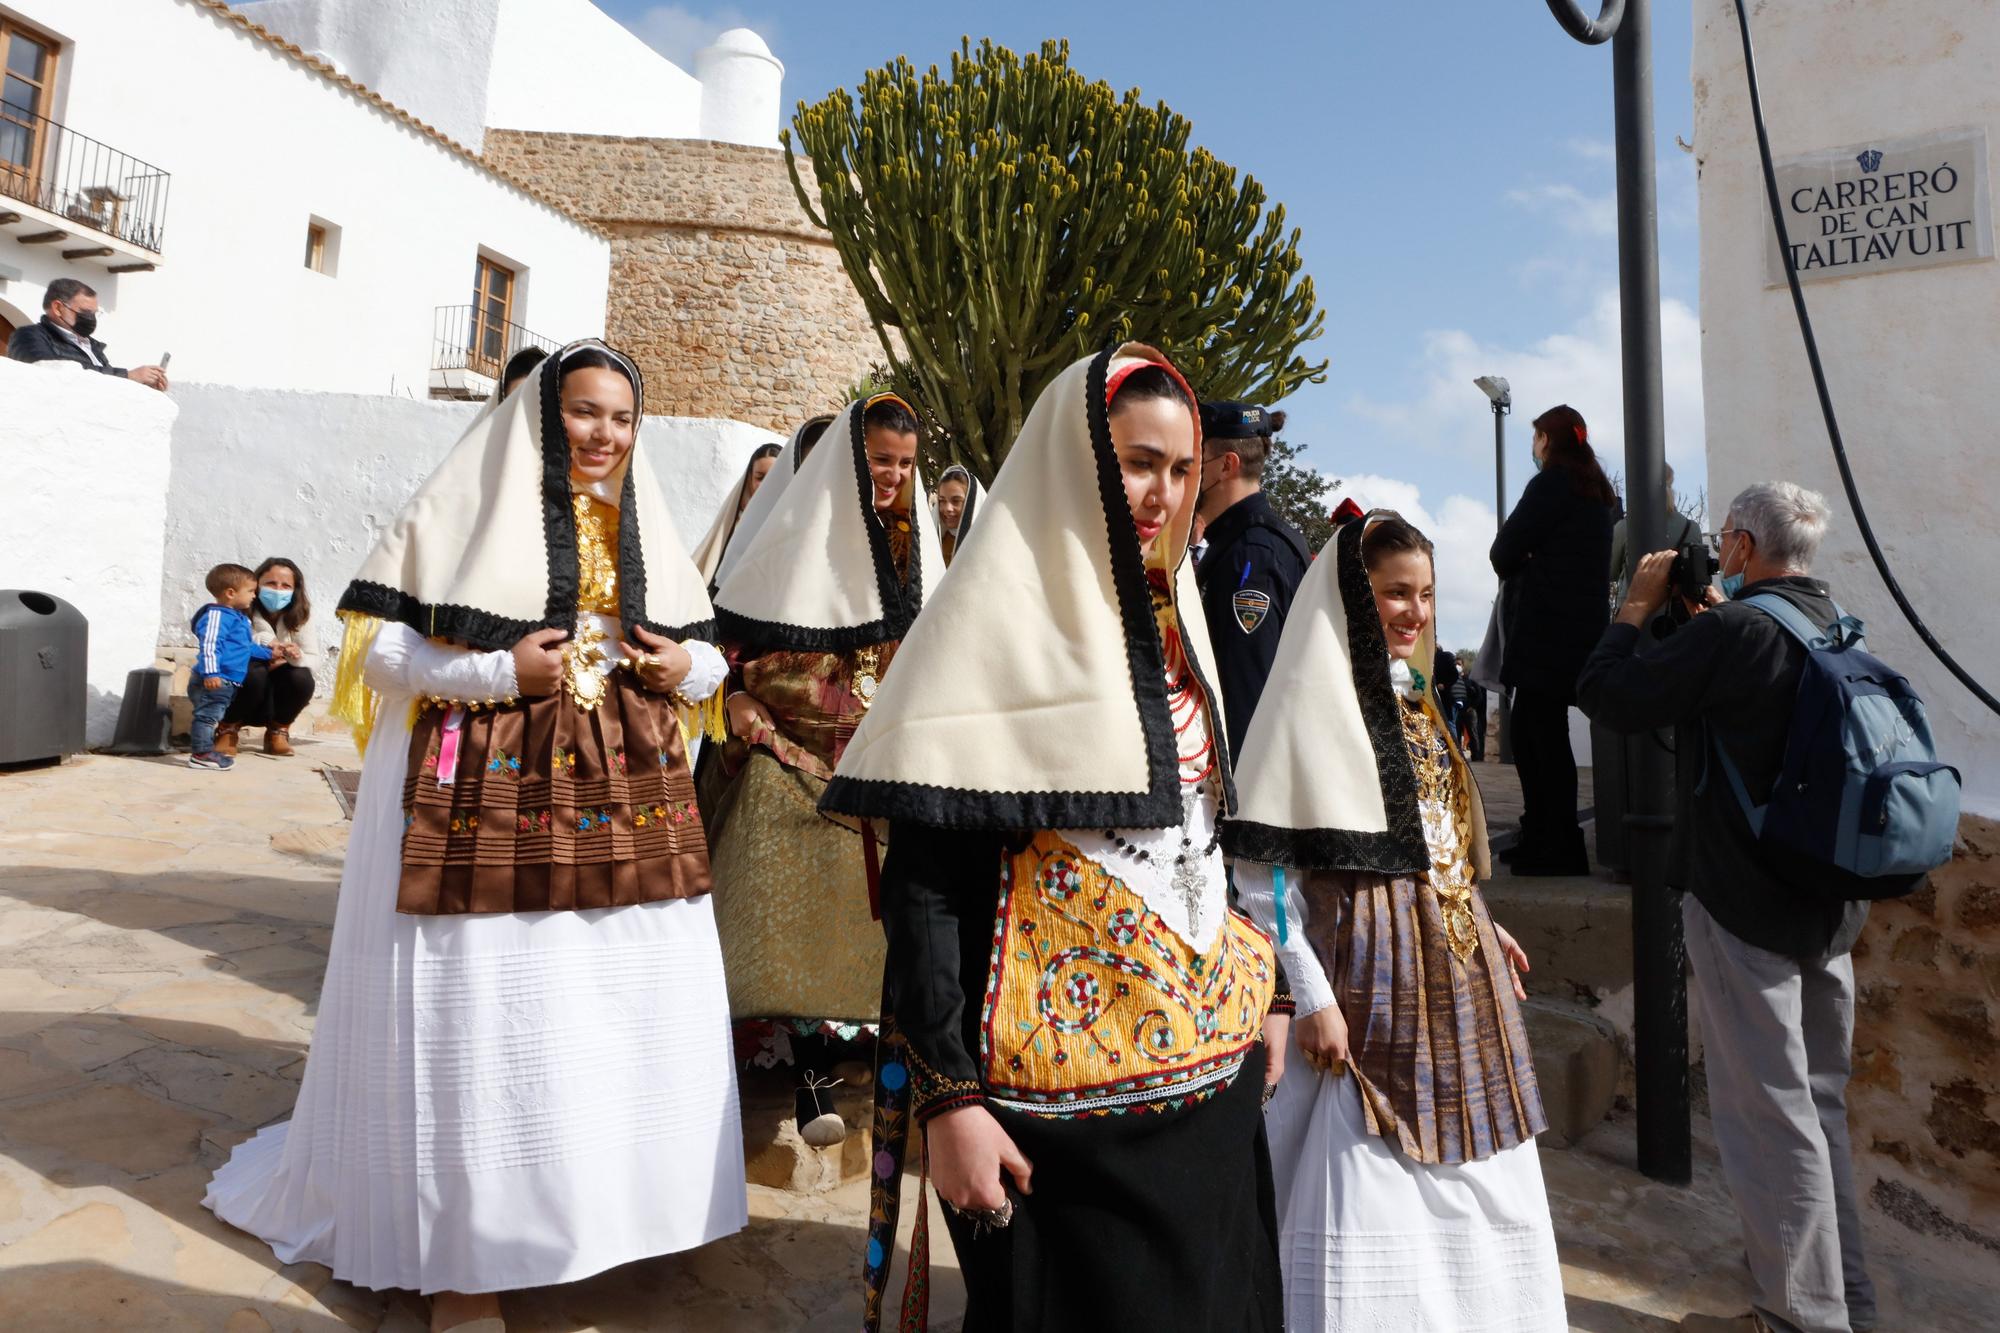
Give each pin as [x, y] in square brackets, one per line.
[551, 808]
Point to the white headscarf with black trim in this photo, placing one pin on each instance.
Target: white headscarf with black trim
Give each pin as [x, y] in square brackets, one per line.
[485, 551]
[816, 574]
[1032, 692]
[728, 516]
[1325, 781]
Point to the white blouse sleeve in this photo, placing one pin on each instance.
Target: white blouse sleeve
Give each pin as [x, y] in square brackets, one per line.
[706, 674]
[403, 662]
[1311, 991]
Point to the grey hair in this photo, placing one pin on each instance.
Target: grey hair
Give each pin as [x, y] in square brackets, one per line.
[1787, 520]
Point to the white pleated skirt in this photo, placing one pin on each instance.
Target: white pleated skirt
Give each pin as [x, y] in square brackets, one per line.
[1372, 1242]
[497, 1102]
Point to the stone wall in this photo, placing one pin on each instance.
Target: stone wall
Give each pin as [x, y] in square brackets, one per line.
[731, 301]
[1924, 1107]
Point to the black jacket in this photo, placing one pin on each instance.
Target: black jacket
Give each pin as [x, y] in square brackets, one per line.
[1728, 677]
[1252, 566]
[1556, 548]
[49, 341]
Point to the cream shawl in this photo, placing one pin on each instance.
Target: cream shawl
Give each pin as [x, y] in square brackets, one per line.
[816, 574]
[1031, 694]
[1325, 779]
[485, 551]
[708, 555]
[767, 497]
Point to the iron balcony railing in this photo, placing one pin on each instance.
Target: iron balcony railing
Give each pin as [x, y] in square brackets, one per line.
[53, 168]
[467, 338]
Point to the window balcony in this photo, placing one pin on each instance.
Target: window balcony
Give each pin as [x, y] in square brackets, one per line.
[64, 189]
[470, 346]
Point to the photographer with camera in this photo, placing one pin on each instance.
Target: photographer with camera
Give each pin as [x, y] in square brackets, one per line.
[1768, 935]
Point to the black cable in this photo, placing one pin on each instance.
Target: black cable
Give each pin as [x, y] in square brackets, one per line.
[1819, 381]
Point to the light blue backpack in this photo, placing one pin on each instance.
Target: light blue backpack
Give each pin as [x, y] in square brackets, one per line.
[1861, 787]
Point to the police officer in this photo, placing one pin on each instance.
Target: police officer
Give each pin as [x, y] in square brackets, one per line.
[1253, 561]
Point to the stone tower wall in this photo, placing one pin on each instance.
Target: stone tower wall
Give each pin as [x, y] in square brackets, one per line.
[731, 301]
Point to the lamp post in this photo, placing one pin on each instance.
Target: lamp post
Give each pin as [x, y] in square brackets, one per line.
[1501, 394]
[1659, 953]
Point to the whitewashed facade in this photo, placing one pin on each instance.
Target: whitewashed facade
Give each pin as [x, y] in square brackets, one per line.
[257, 146]
[1909, 352]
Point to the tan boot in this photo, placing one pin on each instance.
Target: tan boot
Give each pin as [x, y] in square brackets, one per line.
[225, 737]
[277, 740]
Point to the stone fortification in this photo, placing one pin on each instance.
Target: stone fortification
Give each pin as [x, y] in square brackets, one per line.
[732, 302]
[1924, 1106]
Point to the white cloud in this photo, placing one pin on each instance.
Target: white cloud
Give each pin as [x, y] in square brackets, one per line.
[1579, 366]
[1573, 209]
[1461, 528]
[678, 32]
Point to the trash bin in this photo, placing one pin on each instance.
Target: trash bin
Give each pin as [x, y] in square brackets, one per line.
[146, 715]
[44, 646]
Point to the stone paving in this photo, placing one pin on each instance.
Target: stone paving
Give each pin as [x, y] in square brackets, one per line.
[162, 936]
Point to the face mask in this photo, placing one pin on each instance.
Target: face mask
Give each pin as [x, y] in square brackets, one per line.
[1536, 459]
[1732, 584]
[274, 600]
[86, 323]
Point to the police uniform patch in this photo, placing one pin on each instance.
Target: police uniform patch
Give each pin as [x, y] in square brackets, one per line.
[1251, 606]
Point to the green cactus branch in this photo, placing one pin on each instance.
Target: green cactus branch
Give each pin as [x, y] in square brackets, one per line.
[1006, 216]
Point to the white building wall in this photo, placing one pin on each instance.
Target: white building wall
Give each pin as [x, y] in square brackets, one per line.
[86, 462]
[430, 57]
[352, 463]
[257, 145]
[1909, 355]
[565, 66]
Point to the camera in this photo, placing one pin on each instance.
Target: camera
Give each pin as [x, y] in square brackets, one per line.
[1694, 568]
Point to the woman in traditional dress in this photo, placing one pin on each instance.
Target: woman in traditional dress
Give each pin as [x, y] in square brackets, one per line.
[521, 1072]
[1409, 1192]
[954, 503]
[810, 614]
[708, 555]
[1080, 1011]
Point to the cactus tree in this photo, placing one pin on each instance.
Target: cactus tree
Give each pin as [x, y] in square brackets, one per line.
[1007, 217]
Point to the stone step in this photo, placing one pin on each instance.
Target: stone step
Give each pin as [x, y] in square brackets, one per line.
[1577, 1064]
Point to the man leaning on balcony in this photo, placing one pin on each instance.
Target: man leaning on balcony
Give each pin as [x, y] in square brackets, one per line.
[69, 317]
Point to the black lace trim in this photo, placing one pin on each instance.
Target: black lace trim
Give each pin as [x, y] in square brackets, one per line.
[463, 624]
[1400, 849]
[558, 515]
[1159, 806]
[901, 595]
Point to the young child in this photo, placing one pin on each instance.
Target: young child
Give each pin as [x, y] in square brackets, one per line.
[222, 629]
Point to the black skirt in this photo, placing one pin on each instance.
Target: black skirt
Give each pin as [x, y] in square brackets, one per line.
[1160, 1221]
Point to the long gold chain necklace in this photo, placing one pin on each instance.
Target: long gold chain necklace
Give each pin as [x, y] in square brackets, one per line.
[1438, 798]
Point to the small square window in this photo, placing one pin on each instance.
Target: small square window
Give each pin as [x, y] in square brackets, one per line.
[322, 246]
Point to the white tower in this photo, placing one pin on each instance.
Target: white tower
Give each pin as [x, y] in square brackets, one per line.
[740, 89]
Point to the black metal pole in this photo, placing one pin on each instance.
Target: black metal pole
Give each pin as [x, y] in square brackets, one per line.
[1659, 953]
[1500, 521]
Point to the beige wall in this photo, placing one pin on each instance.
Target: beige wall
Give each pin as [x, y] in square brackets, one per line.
[732, 302]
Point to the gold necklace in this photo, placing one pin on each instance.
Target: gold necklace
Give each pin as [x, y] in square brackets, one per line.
[1447, 818]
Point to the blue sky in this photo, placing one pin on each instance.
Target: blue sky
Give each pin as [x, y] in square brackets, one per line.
[1450, 173]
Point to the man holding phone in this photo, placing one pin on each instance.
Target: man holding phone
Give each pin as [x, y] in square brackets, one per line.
[69, 318]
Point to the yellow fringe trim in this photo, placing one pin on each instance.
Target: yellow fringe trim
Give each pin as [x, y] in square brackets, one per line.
[706, 718]
[353, 702]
